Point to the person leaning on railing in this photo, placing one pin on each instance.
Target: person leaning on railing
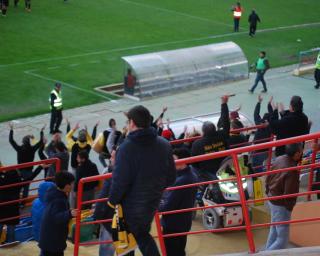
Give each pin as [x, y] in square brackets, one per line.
[278, 184]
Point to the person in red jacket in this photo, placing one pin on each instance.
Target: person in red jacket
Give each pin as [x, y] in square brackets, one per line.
[237, 13]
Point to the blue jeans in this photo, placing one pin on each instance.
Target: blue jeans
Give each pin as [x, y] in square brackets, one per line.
[259, 77]
[279, 234]
[257, 160]
[10, 232]
[105, 249]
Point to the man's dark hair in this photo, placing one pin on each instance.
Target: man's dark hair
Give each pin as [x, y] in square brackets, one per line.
[140, 116]
[58, 85]
[263, 52]
[291, 149]
[83, 154]
[129, 71]
[296, 104]
[60, 146]
[63, 178]
[111, 122]
[208, 129]
[181, 153]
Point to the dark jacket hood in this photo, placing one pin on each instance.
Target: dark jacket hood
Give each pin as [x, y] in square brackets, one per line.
[54, 193]
[143, 136]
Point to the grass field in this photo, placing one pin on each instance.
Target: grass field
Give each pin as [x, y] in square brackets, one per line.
[81, 42]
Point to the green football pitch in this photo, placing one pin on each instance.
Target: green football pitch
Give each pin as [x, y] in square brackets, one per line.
[81, 42]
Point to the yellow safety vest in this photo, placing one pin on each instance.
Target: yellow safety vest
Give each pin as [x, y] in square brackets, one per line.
[58, 100]
[318, 62]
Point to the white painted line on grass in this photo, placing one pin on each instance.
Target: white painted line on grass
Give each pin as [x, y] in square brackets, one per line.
[175, 12]
[55, 67]
[95, 61]
[74, 65]
[160, 44]
[31, 73]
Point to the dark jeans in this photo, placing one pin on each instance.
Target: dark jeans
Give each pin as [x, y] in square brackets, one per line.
[25, 189]
[175, 246]
[252, 30]
[236, 25]
[56, 118]
[317, 76]
[259, 77]
[147, 245]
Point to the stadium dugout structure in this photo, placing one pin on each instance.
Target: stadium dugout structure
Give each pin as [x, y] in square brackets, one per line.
[168, 72]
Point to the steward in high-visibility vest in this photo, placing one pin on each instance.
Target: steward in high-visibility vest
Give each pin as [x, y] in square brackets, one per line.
[56, 108]
[261, 66]
[317, 72]
[237, 13]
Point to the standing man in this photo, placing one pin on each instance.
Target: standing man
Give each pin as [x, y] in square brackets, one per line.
[278, 184]
[129, 82]
[253, 20]
[4, 6]
[237, 12]
[144, 167]
[292, 123]
[261, 66]
[56, 109]
[317, 72]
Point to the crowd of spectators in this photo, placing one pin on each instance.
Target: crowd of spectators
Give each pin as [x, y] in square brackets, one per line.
[141, 160]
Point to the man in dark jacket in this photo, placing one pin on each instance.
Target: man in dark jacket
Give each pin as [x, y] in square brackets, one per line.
[144, 168]
[212, 141]
[25, 153]
[177, 200]
[56, 216]
[293, 123]
[86, 169]
[9, 210]
[283, 183]
[261, 135]
[253, 20]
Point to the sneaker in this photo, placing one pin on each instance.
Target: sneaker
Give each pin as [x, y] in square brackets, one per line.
[316, 86]
[250, 91]
[57, 131]
[264, 91]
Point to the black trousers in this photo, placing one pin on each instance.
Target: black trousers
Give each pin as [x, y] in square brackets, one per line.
[236, 24]
[175, 246]
[252, 29]
[56, 119]
[317, 76]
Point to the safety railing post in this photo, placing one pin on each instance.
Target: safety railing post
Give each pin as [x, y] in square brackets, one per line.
[78, 219]
[269, 159]
[160, 235]
[243, 204]
[313, 160]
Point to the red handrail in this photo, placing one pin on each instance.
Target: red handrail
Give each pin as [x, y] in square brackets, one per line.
[55, 161]
[243, 202]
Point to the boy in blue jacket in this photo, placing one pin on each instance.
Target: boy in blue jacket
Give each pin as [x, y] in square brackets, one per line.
[176, 200]
[56, 216]
[38, 206]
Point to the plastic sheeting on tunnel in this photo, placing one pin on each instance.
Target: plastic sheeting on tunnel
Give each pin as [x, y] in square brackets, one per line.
[184, 69]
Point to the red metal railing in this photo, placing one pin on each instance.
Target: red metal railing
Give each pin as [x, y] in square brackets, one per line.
[238, 178]
[55, 161]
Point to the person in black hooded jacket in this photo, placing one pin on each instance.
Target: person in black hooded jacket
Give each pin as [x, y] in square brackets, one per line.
[86, 169]
[293, 123]
[25, 153]
[56, 216]
[212, 141]
[144, 167]
[177, 200]
[253, 21]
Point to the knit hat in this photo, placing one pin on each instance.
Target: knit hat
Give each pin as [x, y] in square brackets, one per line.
[167, 134]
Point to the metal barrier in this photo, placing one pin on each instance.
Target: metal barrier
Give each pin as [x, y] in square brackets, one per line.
[248, 226]
[55, 161]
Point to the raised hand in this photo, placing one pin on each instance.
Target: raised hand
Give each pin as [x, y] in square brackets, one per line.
[76, 126]
[260, 99]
